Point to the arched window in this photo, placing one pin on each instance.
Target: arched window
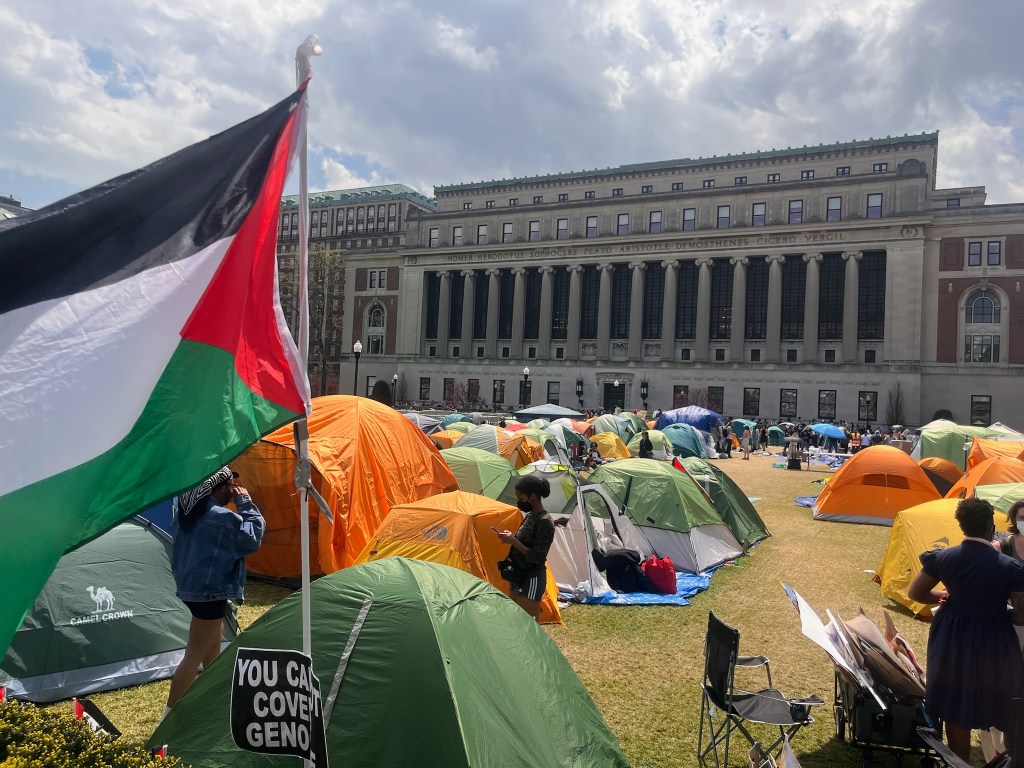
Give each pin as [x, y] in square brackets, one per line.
[375, 328]
[982, 307]
[983, 326]
[376, 317]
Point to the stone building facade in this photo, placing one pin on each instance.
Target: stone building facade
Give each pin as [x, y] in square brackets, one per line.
[831, 282]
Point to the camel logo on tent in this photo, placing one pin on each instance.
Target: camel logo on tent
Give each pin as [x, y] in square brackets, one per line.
[436, 532]
[942, 543]
[103, 598]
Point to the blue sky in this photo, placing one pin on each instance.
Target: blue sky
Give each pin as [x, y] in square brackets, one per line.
[463, 90]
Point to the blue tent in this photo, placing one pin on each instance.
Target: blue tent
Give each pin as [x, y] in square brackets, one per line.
[694, 415]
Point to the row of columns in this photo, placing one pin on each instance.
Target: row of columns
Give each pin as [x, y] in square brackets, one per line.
[669, 309]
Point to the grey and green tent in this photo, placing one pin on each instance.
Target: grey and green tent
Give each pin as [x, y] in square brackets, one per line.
[730, 501]
[482, 472]
[671, 510]
[106, 619]
[686, 440]
[444, 670]
[947, 441]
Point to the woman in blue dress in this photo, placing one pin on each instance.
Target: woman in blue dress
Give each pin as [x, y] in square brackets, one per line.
[975, 667]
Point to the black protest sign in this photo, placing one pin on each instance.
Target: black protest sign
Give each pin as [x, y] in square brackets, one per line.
[275, 705]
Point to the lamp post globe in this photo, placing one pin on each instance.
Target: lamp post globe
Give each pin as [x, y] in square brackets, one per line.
[525, 395]
[357, 350]
[394, 387]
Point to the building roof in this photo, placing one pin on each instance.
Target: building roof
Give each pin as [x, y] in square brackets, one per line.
[687, 162]
[362, 195]
[10, 207]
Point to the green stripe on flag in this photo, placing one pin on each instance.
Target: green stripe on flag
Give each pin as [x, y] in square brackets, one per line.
[199, 417]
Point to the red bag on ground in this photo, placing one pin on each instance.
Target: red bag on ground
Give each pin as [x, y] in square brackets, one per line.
[661, 574]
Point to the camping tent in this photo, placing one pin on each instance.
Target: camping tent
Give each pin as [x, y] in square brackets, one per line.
[671, 511]
[943, 473]
[365, 458]
[447, 438]
[482, 472]
[547, 411]
[455, 418]
[663, 448]
[617, 425]
[947, 441]
[1002, 496]
[730, 501]
[512, 447]
[610, 446]
[873, 486]
[462, 427]
[444, 670]
[686, 440]
[920, 528]
[988, 472]
[107, 618]
[455, 529]
[427, 423]
[776, 436]
[694, 415]
[984, 448]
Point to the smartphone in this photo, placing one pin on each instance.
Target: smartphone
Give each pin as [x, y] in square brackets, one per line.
[495, 529]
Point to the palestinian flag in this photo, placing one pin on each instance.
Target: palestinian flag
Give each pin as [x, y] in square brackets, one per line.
[142, 343]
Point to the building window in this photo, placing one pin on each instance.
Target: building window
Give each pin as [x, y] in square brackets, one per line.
[787, 403]
[806, 175]
[953, 202]
[831, 287]
[724, 216]
[432, 351]
[506, 232]
[591, 285]
[981, 348]
[513, 202]
[721, 299]
[531, 320]
[974, 254]
[433, 281]
[505, 352]
[709, 183]
[826, 404]
[774, 178]
[457, 235]
[791, 356]
[559, 304]
[869, 356]
[796, 211]
[591, 226]
[506, 299]
[689, 219]
[686, 301]
[588, 195]
[880, 168]
[834, 209]
[559, 353]
[553, 392]
[467, 206]
[756, 322]
[537, 199]
[531, 352]
[995, 253]
[871, 297]
[982, 307]
[424, 387]
[684, 354]
[448, 390]
[562, 229]
[716, 399]
[382, 278]
[981, 410]
[622, 284]
[534, 230]
[434, 237]
[830, 355]
[739, 181]
[563, 197]
[680, 394]
[867, 406]
[622, 227]
[481, 234]
[875, 206]
[677, 186]
[479, 351]
[843, 170]
[489, 204]
[758, 214]
[654, 225]
[617, 192]
[456, 351]
[654, 299]
[498, 391]
[751, 401]
[755, 355]
[646, 189]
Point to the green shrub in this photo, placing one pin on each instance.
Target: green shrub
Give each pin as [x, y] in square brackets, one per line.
[35, 738]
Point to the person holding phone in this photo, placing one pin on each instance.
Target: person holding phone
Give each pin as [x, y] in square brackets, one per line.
[208, 564]
[529, 545]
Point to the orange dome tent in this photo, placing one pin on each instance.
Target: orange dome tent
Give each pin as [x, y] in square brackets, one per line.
[454, 529]
[365, 456]
[447, 438]
[988, 472]
[873, 486]
[982, 449]
[942, 472]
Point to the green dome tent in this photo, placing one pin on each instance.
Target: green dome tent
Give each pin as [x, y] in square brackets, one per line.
[445, 670]
[686, 440]
[671, 511]
[482, 472]
[663, 448]
[776, 436]
[730, 501]
[616, 424]
[947, 442]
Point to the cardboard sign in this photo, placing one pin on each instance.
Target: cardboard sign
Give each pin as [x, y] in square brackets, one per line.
[275, 705]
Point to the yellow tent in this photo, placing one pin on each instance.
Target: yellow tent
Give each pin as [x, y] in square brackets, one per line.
[919, 529]
[992, 471]
[366, 457]
[873, 486]
[455, 529]
[610, 446]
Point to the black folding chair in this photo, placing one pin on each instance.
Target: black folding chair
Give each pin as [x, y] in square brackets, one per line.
[733, 707]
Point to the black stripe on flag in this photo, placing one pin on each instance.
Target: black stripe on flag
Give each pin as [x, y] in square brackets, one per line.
[156, 215]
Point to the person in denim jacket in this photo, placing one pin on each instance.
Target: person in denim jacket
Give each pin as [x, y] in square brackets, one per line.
[208, 563]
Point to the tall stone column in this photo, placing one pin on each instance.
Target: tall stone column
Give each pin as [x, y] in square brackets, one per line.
[572, 335]
[811, 285]
[444, 308]
[636, 311]
[546, 286]
[518, 312]
[604, 310]
[668, 310]
[851, 294]
[493, 305]
[773, 334]
[737, 331]
[703, 310]
[468, 309]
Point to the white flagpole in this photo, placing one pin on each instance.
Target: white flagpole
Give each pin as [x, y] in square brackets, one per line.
[303, 71]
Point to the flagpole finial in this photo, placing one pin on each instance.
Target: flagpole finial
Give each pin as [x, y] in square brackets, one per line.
[310, 47]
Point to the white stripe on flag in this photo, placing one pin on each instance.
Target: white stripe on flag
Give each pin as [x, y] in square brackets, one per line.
[76, 372]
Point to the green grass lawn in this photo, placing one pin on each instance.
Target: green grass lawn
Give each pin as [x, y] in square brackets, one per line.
[643, 665]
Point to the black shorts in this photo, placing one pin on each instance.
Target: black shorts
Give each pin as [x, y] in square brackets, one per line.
[533, 587]
[207, 610]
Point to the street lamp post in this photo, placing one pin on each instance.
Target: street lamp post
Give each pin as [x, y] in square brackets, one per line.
[643, 393]
[394, 388]
[525, 394]
[579, 390]
[357, 350]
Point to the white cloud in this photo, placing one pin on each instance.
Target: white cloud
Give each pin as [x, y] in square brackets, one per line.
[456, 42]
[339, 176]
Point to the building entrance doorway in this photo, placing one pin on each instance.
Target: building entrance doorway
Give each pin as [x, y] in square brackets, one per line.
[614, 396]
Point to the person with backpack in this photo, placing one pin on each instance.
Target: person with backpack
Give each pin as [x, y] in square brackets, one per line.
[525, 566]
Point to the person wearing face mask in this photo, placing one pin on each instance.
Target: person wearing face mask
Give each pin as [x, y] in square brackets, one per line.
[529, 545]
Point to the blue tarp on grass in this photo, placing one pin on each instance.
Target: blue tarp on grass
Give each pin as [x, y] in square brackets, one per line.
[806, 501]
[687, 585]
